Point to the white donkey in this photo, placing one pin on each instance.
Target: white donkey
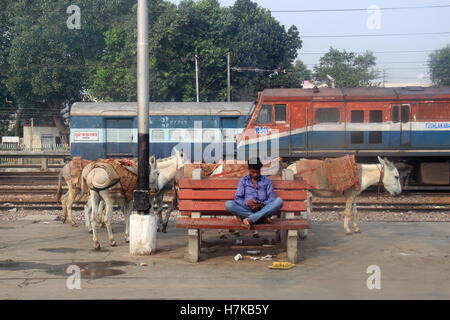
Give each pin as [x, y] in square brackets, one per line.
[371, 174]
[163, 179]
[103, 187]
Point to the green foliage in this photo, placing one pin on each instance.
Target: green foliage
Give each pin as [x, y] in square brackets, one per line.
[440, 66]
[48, 61]
[350, 70]
[203, 28]
[44, 64]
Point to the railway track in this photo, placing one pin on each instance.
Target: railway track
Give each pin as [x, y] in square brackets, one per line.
[317, 207]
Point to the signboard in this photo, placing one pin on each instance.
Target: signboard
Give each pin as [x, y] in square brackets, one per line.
[262, 130]
[10, 139]
[86, 136]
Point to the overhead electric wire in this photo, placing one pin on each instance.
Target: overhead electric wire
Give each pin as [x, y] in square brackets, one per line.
[358, 9]
[376, 35]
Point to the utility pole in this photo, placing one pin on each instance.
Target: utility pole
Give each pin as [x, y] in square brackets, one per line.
[196, 78]
[384, 77]
[228, 77]
[142, 225]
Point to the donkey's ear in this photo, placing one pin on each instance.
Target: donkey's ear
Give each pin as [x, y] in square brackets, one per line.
[153, 161]
[380, 160]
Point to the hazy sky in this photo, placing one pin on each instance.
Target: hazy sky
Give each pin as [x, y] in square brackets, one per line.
[400, 67]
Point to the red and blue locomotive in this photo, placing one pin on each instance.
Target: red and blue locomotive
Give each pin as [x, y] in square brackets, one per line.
[411, 125]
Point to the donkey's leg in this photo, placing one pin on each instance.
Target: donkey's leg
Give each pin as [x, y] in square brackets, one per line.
[70, 200]
[94, 199]
[167, 213]
[87, 215]
[303, 233]
[347, 213]
[64, 207]
[355, 217]
[158, 203]
[128, 209]
[109, 206]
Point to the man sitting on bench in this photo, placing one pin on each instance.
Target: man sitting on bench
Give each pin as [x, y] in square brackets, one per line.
[254, 199]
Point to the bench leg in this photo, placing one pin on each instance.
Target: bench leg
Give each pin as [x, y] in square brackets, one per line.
[292, 246]
[193, 252]
[283, 238]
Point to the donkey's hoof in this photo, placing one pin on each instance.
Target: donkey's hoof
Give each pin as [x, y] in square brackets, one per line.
[348, 233]
[127, 240]
[222, 236]
[113, 243]
[256, 235]
[164, 230]
[97, 246]
[74, 224]
[90, 231]
[303, 237]
[357, 231]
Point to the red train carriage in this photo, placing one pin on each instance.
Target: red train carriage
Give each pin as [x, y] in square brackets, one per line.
[411, 125]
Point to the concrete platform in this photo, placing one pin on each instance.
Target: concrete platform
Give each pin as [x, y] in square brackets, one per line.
[413, 259]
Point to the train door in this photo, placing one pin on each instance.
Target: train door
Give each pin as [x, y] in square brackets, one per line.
[298, 125]
[327, 130]
[400, 129]
[119, 137]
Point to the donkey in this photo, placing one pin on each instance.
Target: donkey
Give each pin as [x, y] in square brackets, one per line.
[103, 187]
[73, 184]
[162, 180]
[371, 174]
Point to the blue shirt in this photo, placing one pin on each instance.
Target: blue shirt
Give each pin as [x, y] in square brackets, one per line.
[247, 191]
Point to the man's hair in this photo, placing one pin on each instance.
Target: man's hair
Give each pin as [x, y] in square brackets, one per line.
[254, 163]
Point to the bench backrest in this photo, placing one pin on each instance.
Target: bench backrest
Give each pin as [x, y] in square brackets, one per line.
[208, 196]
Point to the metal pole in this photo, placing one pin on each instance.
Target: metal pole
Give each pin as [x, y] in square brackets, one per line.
[196, 78]
[142, 203]
[229, 77]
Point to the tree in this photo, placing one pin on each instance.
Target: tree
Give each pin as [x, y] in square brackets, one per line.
[205, 29]
[350, 70]
[47, 60]
[7, 106]
[440, 66]
[258, 40]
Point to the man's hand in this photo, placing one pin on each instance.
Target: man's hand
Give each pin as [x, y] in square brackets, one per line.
[254, 205]
[251, 203]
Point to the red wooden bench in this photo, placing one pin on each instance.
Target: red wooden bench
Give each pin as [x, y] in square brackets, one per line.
[202, 206]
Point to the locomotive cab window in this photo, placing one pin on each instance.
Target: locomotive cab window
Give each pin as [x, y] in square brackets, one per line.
[265, 114]
[357, 116]
[280, 112]
[405, 113]
[375, 137]
[330, 115]
[395, 114]
[376, 116]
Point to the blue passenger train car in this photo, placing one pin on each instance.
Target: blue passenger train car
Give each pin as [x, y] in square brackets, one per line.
[109, 129]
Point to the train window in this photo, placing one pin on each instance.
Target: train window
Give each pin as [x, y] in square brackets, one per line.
[280, 112]
[357, 137]
[395, 114]
[327, 115]
[375, 137]
[265, 114]
[176, 135]
[405, 113]
[357, 116]
[376, 116]
[157, 135]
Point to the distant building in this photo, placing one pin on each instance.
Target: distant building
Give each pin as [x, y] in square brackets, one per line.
[41, 137]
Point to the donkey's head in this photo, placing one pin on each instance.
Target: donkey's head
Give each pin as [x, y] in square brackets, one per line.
[154, 175]
[391, 178]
